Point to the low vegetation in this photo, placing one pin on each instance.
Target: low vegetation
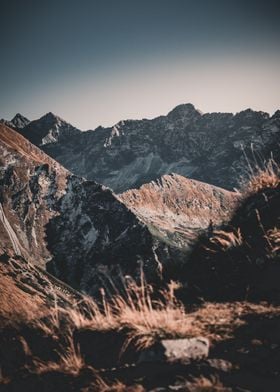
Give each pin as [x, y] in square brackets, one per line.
[263, 177]
[240, 260]
[54, 340]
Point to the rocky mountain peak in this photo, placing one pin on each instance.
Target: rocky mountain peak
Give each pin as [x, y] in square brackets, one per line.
[186, 110]
[276, 114]
[48, 129]
[77, 229]
[51, 118]
[19, 121]
[208, 147]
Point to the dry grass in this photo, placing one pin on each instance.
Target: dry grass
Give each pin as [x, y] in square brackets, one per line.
[3, 379]
[70, 361]
[143, 319]
[218, 321]
[266, 177]
[274, 239]
[146, 319]
[117, 386]
[225, 240]
[203, 384]
[13, 301]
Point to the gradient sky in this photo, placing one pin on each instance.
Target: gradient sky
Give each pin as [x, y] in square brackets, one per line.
[99, 61]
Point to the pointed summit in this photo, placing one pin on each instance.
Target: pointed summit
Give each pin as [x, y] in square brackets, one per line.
[48, 129]
[276, 114]
[183, 111]
[19, 121]
[51, 117]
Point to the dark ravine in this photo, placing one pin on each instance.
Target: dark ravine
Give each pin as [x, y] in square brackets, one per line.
[207, 147]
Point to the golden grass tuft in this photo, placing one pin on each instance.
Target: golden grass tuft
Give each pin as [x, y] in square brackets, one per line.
[225, 240]
[117, 386]
[70, 361]
[266, 177]
[3, 379]
[274, 239]
[203, 384]
[146, 319]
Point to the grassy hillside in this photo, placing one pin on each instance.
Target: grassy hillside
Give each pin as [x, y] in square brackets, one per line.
[53, 338]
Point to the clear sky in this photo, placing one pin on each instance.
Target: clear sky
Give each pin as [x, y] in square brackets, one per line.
[99, 61]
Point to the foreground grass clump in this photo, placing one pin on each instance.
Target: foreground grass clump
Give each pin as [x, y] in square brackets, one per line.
[67, 341]
[240, 260]
[264, 177]
[144, 318]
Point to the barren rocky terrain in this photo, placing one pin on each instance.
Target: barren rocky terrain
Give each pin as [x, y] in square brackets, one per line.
[211, 147]
[170, 286]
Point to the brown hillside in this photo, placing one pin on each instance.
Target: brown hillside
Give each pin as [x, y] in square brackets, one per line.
[178, 205]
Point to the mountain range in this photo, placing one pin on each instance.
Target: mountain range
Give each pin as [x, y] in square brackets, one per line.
[217, 148]
[56, 215]
[79, 230]
[155, 280]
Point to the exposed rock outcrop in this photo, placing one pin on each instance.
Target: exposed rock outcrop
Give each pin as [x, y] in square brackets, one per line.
[207, 147]
[48, 129]
[18, 122]
[75, 228]
[80, 231]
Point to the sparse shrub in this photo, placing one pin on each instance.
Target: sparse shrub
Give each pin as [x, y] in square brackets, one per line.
[145, 318]
[274, 240]
[225, 240]
[264, 177]
[232, 262]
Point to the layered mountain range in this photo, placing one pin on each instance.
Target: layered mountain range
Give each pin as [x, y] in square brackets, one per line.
[196, 244]
[217, 148]
[79, 230]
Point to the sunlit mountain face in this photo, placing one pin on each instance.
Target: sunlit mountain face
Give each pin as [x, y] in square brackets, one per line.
[139, 196]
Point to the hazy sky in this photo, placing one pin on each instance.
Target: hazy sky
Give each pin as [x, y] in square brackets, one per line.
[99, 61]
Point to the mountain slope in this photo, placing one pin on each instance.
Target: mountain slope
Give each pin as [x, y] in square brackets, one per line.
[207, 147]
[179, 208]
[61, 222]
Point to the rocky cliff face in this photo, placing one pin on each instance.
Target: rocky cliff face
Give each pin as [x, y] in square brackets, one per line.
[178, 209]
[77, 229]
[48, 129]
[61, 222]
[18, 122]
[207, 147]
